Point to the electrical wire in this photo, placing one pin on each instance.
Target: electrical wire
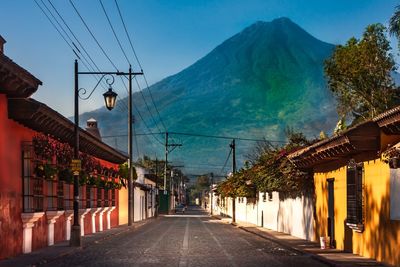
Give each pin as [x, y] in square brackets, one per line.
[90, 64]
[94, 38]
[101, 48]
[123, 51]
[226, 162]
[115, 35]
[140, 65]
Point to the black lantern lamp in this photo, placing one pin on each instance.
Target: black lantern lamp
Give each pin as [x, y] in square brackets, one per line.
[110, 98]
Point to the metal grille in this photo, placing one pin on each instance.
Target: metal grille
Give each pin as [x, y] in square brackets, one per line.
[88, 195]
[82, 197]
[113, 197]
[51, 196]
[32, 186]
[106, 198]
[68, 197]
[99, 197]
[355, 201]
[60, 195]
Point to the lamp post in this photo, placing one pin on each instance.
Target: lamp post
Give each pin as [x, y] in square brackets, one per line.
[110, 101]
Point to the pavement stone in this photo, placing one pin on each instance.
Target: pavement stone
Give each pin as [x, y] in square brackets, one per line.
[62, 249]
[330, 257]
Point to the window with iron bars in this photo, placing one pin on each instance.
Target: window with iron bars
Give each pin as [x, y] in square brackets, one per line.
[33, 196]
[60, 195]
[355, 195]
[51, 195]
[99, 197]
[106, 198]
[113, 192]
[68, 196]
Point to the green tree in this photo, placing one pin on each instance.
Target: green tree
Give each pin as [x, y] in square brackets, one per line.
[394, 24]
[359, 75]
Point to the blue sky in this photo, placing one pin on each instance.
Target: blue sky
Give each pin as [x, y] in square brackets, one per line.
[168, 35]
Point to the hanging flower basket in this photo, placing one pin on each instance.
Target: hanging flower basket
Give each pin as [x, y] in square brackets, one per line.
[50, 172]
[66, 176]
[39, 170]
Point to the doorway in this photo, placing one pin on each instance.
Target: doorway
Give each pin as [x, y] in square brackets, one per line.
[331, 213]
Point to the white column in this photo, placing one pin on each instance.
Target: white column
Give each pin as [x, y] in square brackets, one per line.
[82, 214]
[94, 211]
[28, 222]
[109, 217]
[52, 217]
[101, 218]
[68, 218]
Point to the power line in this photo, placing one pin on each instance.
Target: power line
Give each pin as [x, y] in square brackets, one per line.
[226, 161]
[147, 106]
[136, 142]
[228, 137]
[211, 136]
[115, 35]
[140, 65]
[101, 48]
[91, 33]
[125, 135]
[88, 63]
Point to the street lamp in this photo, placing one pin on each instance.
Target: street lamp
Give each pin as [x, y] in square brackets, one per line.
[110, 98]
[110, 101]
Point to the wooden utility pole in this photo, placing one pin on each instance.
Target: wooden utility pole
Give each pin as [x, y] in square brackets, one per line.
[233, 147]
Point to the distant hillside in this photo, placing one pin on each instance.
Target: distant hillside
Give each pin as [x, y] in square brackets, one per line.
[255, 84]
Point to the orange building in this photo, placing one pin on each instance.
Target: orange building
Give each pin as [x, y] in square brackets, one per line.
[357, 187]
[36, 188]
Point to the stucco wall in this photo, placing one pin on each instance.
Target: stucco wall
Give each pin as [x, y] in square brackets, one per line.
[123, 206]
[381, 237]
[11, 136]
[293, 216]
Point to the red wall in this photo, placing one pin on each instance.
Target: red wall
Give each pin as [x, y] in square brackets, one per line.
[11, 136]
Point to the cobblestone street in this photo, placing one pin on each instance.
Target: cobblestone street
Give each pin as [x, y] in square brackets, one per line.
[191, 239]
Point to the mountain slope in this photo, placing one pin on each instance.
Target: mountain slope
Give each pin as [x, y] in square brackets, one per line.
[255, 84]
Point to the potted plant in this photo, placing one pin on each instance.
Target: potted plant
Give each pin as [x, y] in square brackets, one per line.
[83, 178]
[39, 170]
[66, 176]
[50, 172]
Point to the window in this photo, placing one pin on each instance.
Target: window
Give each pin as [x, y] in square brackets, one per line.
[32, 185]
[60, 195]
[88, 197]
[269, 196]
[106, 198]
[264, 197]
[68, 196]
[99, 198]
[355, 196]
[113, 197]
[51, 196]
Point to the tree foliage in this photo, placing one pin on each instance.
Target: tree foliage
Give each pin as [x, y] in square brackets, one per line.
[270, 171]
[394, 23]
[359, 75]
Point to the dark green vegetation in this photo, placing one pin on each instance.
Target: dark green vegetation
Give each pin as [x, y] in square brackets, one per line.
[255, 84]
[359, 75]
[270, 171]
[199, 189]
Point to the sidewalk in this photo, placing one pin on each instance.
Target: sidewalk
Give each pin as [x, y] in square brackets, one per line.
[331, 257]
[61, 249]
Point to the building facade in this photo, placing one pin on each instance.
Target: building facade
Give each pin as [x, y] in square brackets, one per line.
[36, 190]
[357, 187]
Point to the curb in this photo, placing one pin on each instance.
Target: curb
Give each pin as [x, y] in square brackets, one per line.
[71, 250]
[288, 247]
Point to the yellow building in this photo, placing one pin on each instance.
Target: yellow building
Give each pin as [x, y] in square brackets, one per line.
[357, 193]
